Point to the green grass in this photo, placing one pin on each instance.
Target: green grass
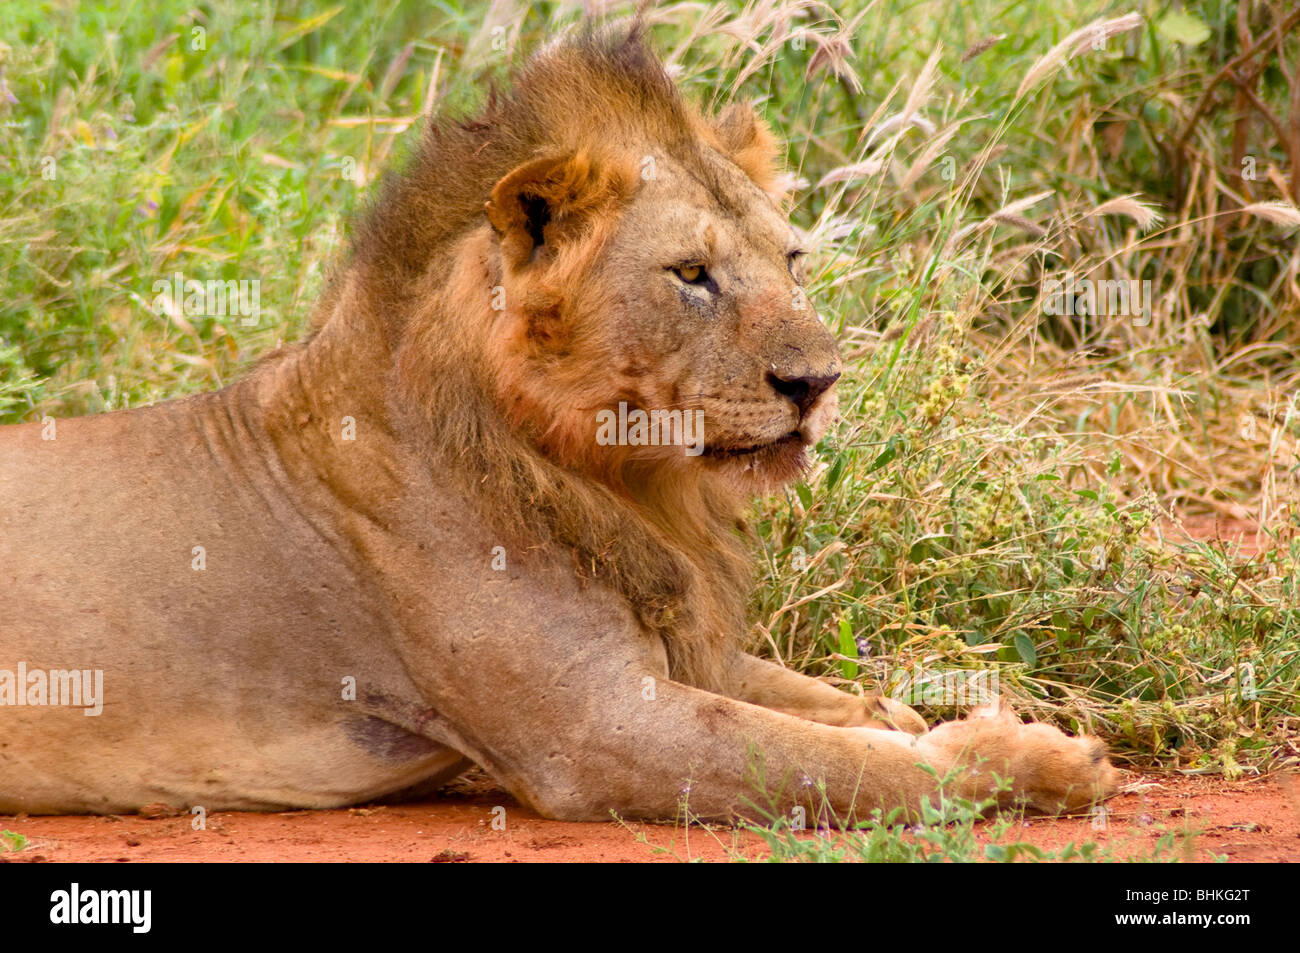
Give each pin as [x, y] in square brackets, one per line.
[11, 842]
[1000, 493]
[949, 830]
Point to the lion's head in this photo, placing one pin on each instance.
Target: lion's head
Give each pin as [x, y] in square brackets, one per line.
[595, 299]
[650, 282]
[623, 248]
[658, 283]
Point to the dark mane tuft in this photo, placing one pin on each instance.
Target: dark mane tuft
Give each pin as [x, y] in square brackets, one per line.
[594, 88]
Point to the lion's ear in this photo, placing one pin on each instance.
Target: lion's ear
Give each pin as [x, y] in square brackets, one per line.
[546, 201]
[749, 143]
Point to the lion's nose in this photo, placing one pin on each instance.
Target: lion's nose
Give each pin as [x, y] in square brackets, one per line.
[802, 390]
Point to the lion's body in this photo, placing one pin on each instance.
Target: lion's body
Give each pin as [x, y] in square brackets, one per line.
[222, 684]
[412, 503]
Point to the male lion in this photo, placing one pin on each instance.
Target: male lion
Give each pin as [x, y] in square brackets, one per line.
[398, 547]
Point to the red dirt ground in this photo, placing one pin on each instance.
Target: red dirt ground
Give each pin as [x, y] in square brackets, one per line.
[1254, 820]
[1239, 534]
[1244, 821]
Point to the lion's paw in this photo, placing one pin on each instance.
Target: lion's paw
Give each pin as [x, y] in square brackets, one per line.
[1051, 771]
[887, 712]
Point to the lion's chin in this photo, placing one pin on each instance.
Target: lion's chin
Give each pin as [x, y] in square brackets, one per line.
[765, 465]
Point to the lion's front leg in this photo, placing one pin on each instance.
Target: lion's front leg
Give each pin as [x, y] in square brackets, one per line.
[560, 694]
[773, 686]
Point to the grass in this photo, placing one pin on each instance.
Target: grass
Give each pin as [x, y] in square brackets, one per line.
[1004, 492]
[950, 830]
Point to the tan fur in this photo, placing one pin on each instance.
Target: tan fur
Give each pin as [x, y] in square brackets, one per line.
[588, 239]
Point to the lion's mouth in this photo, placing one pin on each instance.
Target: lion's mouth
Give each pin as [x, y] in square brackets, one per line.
[753, 450]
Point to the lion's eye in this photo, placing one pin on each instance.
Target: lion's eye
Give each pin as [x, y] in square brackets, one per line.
[692, 274]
